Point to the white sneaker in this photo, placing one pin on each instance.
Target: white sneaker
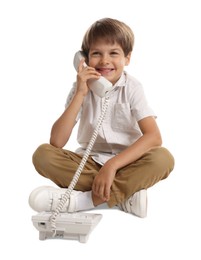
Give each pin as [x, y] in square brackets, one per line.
[47, 198]
[136, 204]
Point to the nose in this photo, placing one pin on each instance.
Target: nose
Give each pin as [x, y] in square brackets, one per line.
[104, 59]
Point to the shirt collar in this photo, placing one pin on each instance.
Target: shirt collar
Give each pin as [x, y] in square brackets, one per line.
[122, 80]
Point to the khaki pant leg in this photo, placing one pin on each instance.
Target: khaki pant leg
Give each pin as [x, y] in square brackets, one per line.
[152, 167]
[60, 165]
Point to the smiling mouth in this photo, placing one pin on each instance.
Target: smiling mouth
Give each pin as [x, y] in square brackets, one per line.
[104, 71]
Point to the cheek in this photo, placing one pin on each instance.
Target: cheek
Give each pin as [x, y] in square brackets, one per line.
[125, 61]
[92, 62]
[121, 63]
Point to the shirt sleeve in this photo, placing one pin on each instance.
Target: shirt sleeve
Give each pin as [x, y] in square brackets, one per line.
[139, 105]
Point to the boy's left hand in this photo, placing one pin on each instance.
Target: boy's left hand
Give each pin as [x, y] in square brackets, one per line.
[103, 182]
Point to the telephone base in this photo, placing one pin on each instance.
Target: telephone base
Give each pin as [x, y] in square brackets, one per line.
[72, 226]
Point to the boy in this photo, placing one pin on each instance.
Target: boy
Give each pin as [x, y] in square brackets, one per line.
[127, 157]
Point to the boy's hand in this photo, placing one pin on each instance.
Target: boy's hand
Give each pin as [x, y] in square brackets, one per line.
[85, 73]
[103, 182]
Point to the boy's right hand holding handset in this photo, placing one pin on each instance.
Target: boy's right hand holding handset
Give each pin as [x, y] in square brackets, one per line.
[84, 74]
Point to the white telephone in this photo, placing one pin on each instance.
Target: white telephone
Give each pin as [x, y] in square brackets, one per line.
[74, 225]
[101, 86]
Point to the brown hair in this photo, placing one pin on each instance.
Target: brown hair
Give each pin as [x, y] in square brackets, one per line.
[110, 30]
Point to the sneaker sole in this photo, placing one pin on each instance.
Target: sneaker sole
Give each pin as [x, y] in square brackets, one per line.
[143, 204]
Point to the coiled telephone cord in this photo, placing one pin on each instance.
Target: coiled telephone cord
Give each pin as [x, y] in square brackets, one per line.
[74, 181]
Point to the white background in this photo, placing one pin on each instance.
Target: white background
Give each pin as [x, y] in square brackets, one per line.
[37, 43]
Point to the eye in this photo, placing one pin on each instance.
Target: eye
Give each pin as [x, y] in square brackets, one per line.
[114, 53]
[95, 53]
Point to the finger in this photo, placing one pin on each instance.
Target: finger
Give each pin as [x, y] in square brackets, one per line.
[82, 65]
[107, 193]
[101, 192]
[95, 189]
[92, 71]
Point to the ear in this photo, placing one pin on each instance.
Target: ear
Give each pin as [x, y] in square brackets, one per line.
[128, 58]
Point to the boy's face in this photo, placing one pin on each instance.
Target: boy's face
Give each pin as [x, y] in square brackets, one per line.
[108, 59]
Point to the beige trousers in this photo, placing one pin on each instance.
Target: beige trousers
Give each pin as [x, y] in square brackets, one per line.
[59, 165]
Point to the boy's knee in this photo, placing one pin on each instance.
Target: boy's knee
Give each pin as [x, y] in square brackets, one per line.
[41, 154]
[168, 158]
[164, 160]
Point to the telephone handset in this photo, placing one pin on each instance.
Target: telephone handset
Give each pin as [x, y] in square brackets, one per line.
[101, 86]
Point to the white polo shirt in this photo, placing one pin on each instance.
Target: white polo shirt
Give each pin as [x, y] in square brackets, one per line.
[127, 105]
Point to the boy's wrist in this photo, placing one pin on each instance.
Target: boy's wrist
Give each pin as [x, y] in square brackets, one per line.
[80, 94]
[111, 164]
